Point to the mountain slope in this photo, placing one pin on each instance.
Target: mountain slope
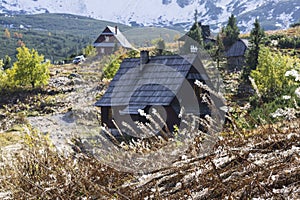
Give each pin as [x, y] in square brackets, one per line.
[58, 36]
[273, 14]
[58, 23]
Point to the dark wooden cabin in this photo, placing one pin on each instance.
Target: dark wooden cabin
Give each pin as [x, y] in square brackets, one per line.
[162, 82]
[236, 54]
[110, 39]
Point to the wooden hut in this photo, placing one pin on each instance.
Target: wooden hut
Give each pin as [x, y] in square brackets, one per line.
[166, 83]
[236, 54]
[111, 39]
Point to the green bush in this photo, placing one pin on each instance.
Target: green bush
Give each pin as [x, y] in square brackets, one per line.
[30, 68]
[112, 66]
[275, 80]
[89, 51]
[113, 62]
[285, 42]
[270, 76]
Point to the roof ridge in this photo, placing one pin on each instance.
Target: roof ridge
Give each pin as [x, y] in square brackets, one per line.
[159, 57]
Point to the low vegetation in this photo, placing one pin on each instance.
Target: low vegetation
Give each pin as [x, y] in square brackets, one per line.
[277, 82]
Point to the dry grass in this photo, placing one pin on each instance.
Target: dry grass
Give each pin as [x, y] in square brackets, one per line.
[38, 171]
[265, 164]
[290, 32]
[9, 138]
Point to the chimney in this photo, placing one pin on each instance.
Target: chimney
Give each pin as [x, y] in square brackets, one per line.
[144, 58]
[116, 30]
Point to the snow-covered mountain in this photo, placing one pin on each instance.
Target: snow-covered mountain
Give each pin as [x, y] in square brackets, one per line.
[272, 13]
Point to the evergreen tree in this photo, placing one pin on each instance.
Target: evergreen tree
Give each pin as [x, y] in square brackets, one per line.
[256, 39]
[231, 32]
[219, 49]
[194, 36]
[196, 32]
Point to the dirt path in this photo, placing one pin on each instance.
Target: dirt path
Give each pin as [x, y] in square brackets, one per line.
[80, 116]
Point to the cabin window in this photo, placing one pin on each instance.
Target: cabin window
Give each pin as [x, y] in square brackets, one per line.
[106, 39]
[102, 50]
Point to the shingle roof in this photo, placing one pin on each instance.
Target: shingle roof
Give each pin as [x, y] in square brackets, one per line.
[155, 83]
[238, 48]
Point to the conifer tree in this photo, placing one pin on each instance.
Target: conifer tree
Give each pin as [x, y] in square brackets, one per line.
[194, 35]
[219, 49]
[231, 32]
[256, 39]
[160, 46]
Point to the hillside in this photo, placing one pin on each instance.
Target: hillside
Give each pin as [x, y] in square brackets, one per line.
[59, 36]
[58, 23]
[289, 32]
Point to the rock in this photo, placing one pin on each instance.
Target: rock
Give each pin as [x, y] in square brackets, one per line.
[74, 75]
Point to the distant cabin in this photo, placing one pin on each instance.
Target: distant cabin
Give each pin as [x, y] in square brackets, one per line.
[166, 83]
[236, 54]
[110, 40]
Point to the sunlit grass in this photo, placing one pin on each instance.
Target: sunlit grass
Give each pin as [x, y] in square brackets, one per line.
[10, 137]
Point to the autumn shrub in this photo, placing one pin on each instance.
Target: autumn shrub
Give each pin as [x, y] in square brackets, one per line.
[6, 79]
[1, 74]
